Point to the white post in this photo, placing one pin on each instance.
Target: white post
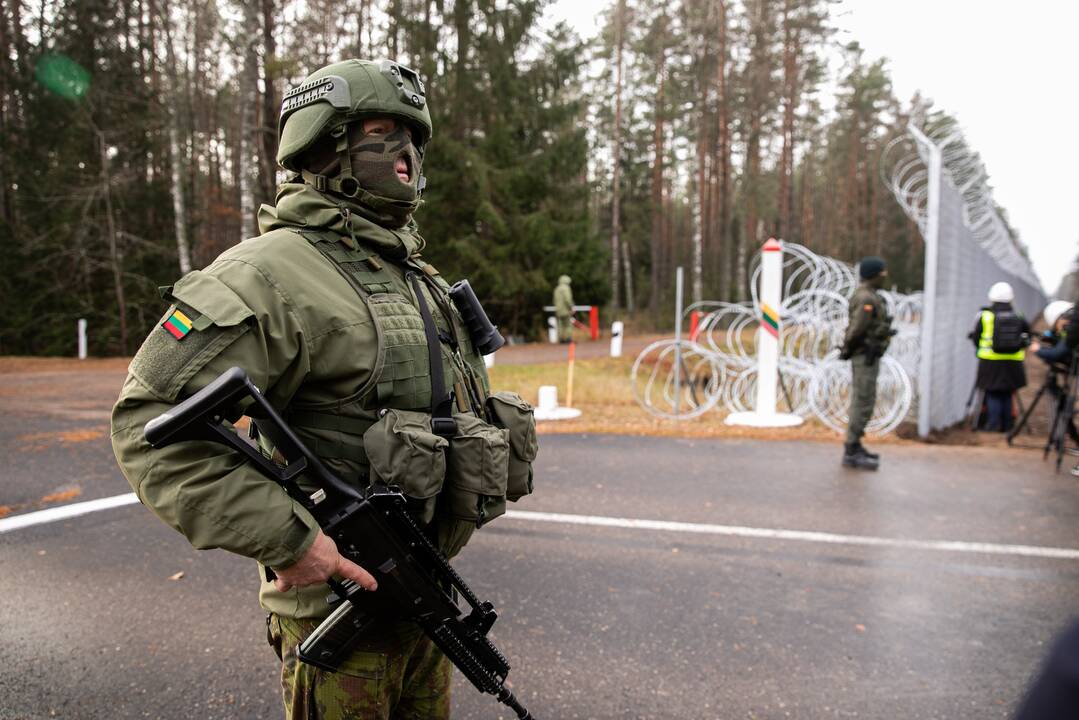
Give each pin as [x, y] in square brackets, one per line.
[548, 407]
[768, 335]
[552, 330]
[616, 338]
[679, 281]
[771, 299]
[929, 301]
[82, 338]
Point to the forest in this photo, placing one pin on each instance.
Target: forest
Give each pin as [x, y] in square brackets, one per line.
[137, 141]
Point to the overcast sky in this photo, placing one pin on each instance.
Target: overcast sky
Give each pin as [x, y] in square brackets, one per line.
[1005, 69]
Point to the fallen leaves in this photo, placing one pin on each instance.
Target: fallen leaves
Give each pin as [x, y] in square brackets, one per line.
[55, 497]
[32, 442]
[61, 496]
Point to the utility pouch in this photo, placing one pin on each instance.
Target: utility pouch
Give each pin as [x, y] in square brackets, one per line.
[402, 451]
[510, 412]
[477, 471]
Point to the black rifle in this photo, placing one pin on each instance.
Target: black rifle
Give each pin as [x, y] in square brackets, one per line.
[371, 528]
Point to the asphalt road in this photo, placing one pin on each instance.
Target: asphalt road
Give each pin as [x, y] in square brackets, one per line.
[598, 621]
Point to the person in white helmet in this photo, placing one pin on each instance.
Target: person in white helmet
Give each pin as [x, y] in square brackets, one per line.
[1000, 337]
[1052, 347]
[1056, 349]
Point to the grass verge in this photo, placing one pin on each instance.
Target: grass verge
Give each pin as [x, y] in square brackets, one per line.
[603, 393]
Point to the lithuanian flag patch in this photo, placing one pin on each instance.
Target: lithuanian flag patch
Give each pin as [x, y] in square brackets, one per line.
[178, 324]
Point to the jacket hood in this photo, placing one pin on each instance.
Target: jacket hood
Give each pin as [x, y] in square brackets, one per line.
[564, 280]
[301, 206]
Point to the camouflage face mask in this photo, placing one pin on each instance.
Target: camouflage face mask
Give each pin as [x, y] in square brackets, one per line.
[368, 176]
[374, 158]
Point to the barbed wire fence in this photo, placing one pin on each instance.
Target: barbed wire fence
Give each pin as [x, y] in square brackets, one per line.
[941, 185]
[929, 369]
[719, 362]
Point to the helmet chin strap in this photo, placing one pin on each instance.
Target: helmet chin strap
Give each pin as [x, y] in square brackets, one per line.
[384, 210]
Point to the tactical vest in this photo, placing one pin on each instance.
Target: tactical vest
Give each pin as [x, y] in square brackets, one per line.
[384, 432]
[878, 335]
[985, 342]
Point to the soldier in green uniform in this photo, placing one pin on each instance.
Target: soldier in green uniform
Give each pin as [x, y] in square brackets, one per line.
[563, 309]
[865, 342]
[326, 311]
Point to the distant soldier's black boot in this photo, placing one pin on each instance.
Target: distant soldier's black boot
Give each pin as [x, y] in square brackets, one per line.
[865, 451]
[854, 457]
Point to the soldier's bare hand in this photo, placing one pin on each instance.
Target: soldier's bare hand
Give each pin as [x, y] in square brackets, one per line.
[319, 563]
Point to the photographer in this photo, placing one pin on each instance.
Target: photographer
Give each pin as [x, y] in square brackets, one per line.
[1052, 347]
[1056, 348]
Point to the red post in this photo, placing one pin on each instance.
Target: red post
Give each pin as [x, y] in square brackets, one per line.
[694, 324]
[593, 322]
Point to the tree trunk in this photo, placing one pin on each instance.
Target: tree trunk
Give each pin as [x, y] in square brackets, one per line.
[790, 99]
[7, 103]
[759, 77]
[249, 94]
[462, 16]
[627, 272]
[699, 213]
[176, 188]
[806, 237]
[656, 244]
[616, 156]
[268, 129]
[724, 154]
[111, 236]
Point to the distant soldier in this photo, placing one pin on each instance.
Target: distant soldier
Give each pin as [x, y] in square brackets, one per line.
[1000, 336]
[563, 309]
[866, 340]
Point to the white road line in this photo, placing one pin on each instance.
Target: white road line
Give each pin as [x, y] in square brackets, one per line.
[798, 535]
[74, 510]
[63, 512]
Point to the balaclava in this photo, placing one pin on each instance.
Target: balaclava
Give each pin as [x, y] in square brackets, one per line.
[382, 196]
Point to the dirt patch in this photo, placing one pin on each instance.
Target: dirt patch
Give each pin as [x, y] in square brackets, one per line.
[59, 496]
[62, 496]
[39, 441]
[18, 364]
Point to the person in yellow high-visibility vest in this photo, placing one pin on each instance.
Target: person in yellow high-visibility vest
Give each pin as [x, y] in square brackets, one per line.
[1000, 336]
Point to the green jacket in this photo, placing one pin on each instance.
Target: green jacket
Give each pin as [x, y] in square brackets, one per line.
[563, 298]
[276, 306]
[870, 326]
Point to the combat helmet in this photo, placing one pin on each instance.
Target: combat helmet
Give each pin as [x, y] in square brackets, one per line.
[339, 94]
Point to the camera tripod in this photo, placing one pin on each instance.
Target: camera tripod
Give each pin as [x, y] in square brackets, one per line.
[1062, 425]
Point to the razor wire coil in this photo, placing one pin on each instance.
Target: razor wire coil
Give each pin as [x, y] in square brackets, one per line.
[721, 359]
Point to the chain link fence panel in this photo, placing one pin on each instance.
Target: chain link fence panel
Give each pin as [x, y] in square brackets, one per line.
[941, 185]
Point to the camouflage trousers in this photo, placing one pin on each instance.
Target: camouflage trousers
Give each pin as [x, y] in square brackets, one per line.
[565, 328]
[863, 396]
[397, 674]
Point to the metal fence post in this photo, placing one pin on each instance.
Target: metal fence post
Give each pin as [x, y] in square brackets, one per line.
[932, 246]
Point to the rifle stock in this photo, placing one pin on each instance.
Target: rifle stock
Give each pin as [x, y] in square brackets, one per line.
[370, 527]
